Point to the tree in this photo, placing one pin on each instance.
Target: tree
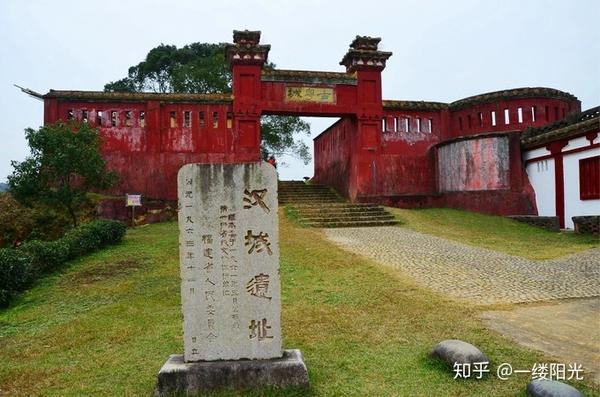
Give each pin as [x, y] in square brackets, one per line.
[65, 163]
[202, 68]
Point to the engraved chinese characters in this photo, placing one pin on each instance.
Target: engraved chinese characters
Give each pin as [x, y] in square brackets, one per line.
[229, 253]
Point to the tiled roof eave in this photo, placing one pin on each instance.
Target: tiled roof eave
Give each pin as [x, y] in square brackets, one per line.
[515, 93]
[414, 105]
[138, 96]
[305, 76]
[560, 133]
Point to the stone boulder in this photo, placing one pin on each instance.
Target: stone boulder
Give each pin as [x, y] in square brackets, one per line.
[551, 388]
[457, 351]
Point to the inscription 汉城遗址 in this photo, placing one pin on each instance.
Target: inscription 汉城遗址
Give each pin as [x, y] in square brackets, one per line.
[229, 261]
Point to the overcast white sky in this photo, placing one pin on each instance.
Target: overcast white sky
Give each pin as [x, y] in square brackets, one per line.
[443, 50]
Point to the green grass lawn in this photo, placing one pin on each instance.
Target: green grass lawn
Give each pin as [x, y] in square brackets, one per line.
[495, 232]
[107, 322]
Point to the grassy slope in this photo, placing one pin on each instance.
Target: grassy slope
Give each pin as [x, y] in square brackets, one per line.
[494, 232]
[106, 324]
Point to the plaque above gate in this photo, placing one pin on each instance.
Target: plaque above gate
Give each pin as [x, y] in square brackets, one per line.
[309, 94]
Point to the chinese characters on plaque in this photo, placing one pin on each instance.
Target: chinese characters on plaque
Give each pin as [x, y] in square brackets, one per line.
[309, 94]
[229, 259]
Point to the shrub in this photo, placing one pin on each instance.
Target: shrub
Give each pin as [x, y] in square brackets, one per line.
[93, 235]
[38, 222]
[46, 255]
[112, 232]
[15, 273]
[20, 266]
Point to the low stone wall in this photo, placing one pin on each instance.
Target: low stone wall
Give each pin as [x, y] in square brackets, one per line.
[151, 211]
[494, 202]
[587, 224]
[547, 222]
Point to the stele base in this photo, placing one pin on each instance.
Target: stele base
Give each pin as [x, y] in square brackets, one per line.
[177, 377]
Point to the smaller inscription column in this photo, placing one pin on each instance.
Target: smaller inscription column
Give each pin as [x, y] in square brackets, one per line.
[229, 260]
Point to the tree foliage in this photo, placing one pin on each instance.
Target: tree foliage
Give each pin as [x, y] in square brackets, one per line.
[202, 68]
[194, 68]
[19, 223]
[65, 163]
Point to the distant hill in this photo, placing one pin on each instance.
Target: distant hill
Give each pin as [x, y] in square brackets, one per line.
[3, 187]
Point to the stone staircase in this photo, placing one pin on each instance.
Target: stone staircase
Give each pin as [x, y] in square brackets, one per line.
[319, 206]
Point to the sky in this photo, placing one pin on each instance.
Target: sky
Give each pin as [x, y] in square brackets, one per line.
[442, 50]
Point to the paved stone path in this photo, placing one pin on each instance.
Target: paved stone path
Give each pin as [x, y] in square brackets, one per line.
[478, 275]
[569, 331]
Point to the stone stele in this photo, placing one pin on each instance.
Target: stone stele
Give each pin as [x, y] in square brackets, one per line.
[230, 289]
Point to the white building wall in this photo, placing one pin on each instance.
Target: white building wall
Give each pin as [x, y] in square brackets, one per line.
[573, 205]
[541, 177]
[539, 152]
[577, 143]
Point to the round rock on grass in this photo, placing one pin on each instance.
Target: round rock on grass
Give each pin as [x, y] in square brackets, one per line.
[551, 388]
[456, 351]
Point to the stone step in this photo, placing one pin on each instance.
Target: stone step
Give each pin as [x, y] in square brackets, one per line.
[382, 217]
[351, 224]
[319, 206]
[320, 202]
[290, 192]
[368, 212]
[297, 186]
[281, 192]
[339, 205]
[302, 187]
[308, 200]
[311, 194]
[311, 200]
[360, 214]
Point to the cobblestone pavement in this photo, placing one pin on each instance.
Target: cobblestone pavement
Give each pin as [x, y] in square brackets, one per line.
[568, 330]
[478, 275]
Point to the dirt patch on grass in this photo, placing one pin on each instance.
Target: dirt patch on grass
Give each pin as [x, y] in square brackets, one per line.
[103, 271]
